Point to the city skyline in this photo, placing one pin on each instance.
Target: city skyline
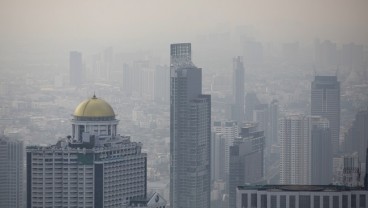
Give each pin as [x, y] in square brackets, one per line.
[183, 103]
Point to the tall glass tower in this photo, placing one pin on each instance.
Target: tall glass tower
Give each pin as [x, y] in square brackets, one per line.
[325, 102]
[237, 111]
[190, 132]
[11, 173]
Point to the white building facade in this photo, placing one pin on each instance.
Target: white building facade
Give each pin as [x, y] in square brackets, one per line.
[95, 167]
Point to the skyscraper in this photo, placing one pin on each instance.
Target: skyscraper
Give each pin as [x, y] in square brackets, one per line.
[237, 111]
[11, 173]
[325, 102]
[229, 131]
[251, 101]
[260, 116]
[190, 132]
[94, 167]
[356, 139]
[76, 68]
[246, 159]
[295, 150]
[273, 121]
[321, 155]
[218, 144]
[306, 152]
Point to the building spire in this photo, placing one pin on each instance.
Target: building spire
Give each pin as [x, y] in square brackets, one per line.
[94, 95]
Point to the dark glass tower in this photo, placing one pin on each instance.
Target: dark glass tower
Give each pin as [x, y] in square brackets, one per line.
[190, 132]
[237, 111]
[325, 102]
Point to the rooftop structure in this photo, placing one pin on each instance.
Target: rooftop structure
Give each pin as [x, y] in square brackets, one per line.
[95, 167]
[300, 196]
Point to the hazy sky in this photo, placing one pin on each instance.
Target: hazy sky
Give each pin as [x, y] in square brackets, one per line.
[77, 23]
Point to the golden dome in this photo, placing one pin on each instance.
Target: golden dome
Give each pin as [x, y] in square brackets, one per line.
[94, 107]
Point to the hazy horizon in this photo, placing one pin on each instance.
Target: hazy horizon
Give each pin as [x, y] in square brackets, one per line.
[143, 25]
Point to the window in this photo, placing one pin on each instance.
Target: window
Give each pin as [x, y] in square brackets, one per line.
[304, 201]
[273, 201]
[326, 201]
[344, 201]
[282, 201]
[316, 202]
[244, 201]
[335, 201]
[263, 201]
[253, 200]
[292, 201]
[362, 200]
[353, 201]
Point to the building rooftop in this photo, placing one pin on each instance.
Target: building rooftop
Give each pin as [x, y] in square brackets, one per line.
[314, 188]
[94, 107]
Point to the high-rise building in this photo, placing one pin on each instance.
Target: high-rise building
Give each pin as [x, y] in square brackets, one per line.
[273, 122]
[251, 101]
[295, 146]
[356, 139]
[190, 132]
[76, 68]
[260, 116]
[229, 131]
[94, 167]
[325, 102]
[218, 144]
[237, 111]
[11, 173]
[321, 154]
[306, 155]
[300, 196]
[246, 159]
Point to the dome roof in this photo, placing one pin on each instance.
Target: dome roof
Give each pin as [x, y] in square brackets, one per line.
[94, 107]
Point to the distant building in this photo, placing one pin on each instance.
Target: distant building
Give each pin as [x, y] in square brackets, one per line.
[218, 145]
[190, 132]
[306, 156]
[273, 122]
[325, 102]
[246, 159]
[321, 151]
[356, 139]
[162, 84]
[11, 173]
[260, 116]
[76, 68]
[95, 167]
[251, 101]
[300, 196]
[237, 111]
[229, 130]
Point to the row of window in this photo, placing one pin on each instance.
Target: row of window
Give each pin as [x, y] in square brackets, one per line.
[305, 201]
